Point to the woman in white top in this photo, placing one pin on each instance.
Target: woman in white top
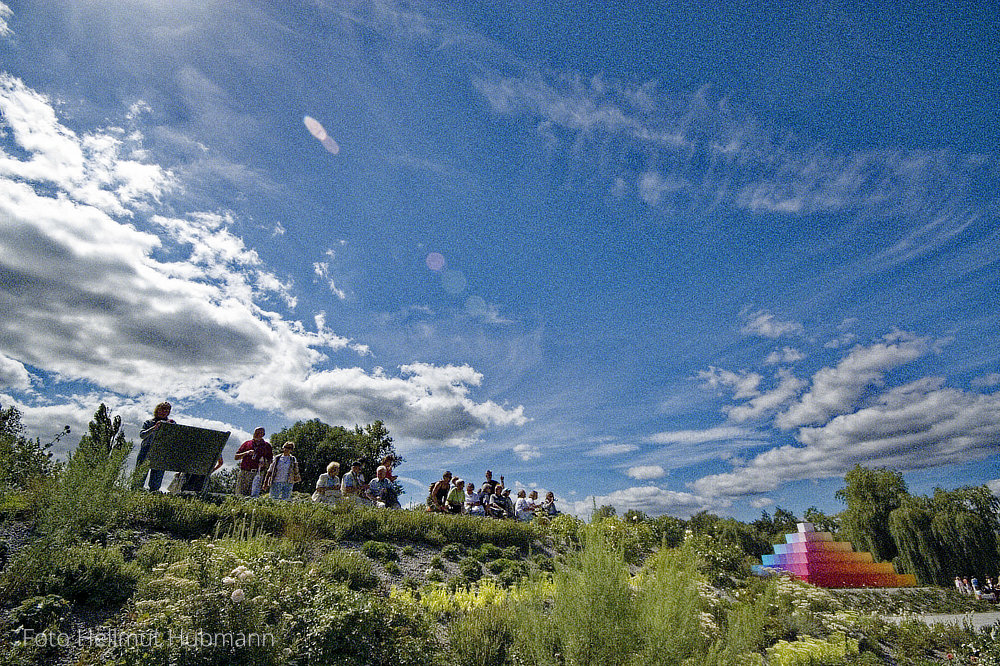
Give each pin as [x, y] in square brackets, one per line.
[328, 485]
[524, 508]
[473, 501]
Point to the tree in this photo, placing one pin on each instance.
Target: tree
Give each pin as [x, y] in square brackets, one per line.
[106, 433]
[606, 511]
[22, 461]
[317, 444]
[634, 516]
[821, 521]
[871, 495]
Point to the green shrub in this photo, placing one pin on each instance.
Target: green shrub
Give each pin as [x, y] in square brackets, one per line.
[471, 569]
[38, 613]
[487, 552]
[379, 551]
[437, 563]
[345, 628]
[85, 573]
[481, 637]
[453, 552]
[392, 568]
[409, 551]
[435, 576]
[161, 550]
[349, 568]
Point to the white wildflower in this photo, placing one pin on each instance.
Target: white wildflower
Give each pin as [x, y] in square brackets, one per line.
[237, 596]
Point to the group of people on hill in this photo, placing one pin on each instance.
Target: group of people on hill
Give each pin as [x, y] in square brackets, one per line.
[261, 471]
[451, 494]
[990, 591]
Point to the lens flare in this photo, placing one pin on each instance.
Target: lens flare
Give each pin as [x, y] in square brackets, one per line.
[454, 282]
[316, 129]
[435, 261]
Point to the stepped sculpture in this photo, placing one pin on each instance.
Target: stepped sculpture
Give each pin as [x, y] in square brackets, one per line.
[819, 560]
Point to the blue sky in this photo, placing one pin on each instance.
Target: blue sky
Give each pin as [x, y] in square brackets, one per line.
[669, 257]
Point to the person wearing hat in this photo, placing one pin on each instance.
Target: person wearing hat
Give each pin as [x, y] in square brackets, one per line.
[353, 486]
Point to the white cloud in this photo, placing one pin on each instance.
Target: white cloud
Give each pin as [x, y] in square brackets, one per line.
[766, 325]
[841, 340]
[744, 385]
[761, 502]
[88, 297]
[765, 403]
[605, 450]
[704, 154]
[837, 390]
[986, 381]
[994, 486]
[527, 452]
[646, 472]
[785, 355]
[651, 500]
[13, 375]
[916, 426]
[721, 433]
[5, 14]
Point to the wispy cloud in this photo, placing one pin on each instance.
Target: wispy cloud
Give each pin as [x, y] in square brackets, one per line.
[611, 449]
[5, 14]
[648, 499]
[767, 325]
[704, 154]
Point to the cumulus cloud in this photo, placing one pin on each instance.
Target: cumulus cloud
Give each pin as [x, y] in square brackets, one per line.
[767, 325]
[744, 384]
[527, 452]
[5, 14]
[836, 390]
[916, 426]
[986, 381]
[13, 374]
[784, 355]
[646, 472]
[96, 286]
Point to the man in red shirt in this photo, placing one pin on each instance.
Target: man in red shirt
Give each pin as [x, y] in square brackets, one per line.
[250, 454]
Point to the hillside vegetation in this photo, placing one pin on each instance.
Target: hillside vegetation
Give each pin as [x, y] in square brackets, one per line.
[131, 577]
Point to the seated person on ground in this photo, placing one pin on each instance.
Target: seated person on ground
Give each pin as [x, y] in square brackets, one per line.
[353, 485]
[505, 502]
[549, 505]
[456, 497]
[524, 509]
[491, 504]
[328, 485]
[437, 497]
[473, 501]
[382, 492]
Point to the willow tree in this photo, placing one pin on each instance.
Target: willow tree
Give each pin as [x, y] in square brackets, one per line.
[953, 533]
[871, 495]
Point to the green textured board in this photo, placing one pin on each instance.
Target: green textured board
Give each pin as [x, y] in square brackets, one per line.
[181, 448]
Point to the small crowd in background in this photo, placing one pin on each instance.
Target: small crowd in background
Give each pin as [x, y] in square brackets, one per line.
[262, 472]
[453, 495]
[987, 592]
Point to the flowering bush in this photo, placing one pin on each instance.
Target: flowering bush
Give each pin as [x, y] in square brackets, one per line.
[812, 651]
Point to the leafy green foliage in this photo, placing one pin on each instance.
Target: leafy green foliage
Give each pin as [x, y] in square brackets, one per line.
[84, 573]
[379, 551]
[318, 444]
[871, 495]
[351, 569]
[38, 613]
[471, 569]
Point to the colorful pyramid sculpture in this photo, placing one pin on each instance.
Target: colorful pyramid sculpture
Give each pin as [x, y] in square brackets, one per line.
[817, 559]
